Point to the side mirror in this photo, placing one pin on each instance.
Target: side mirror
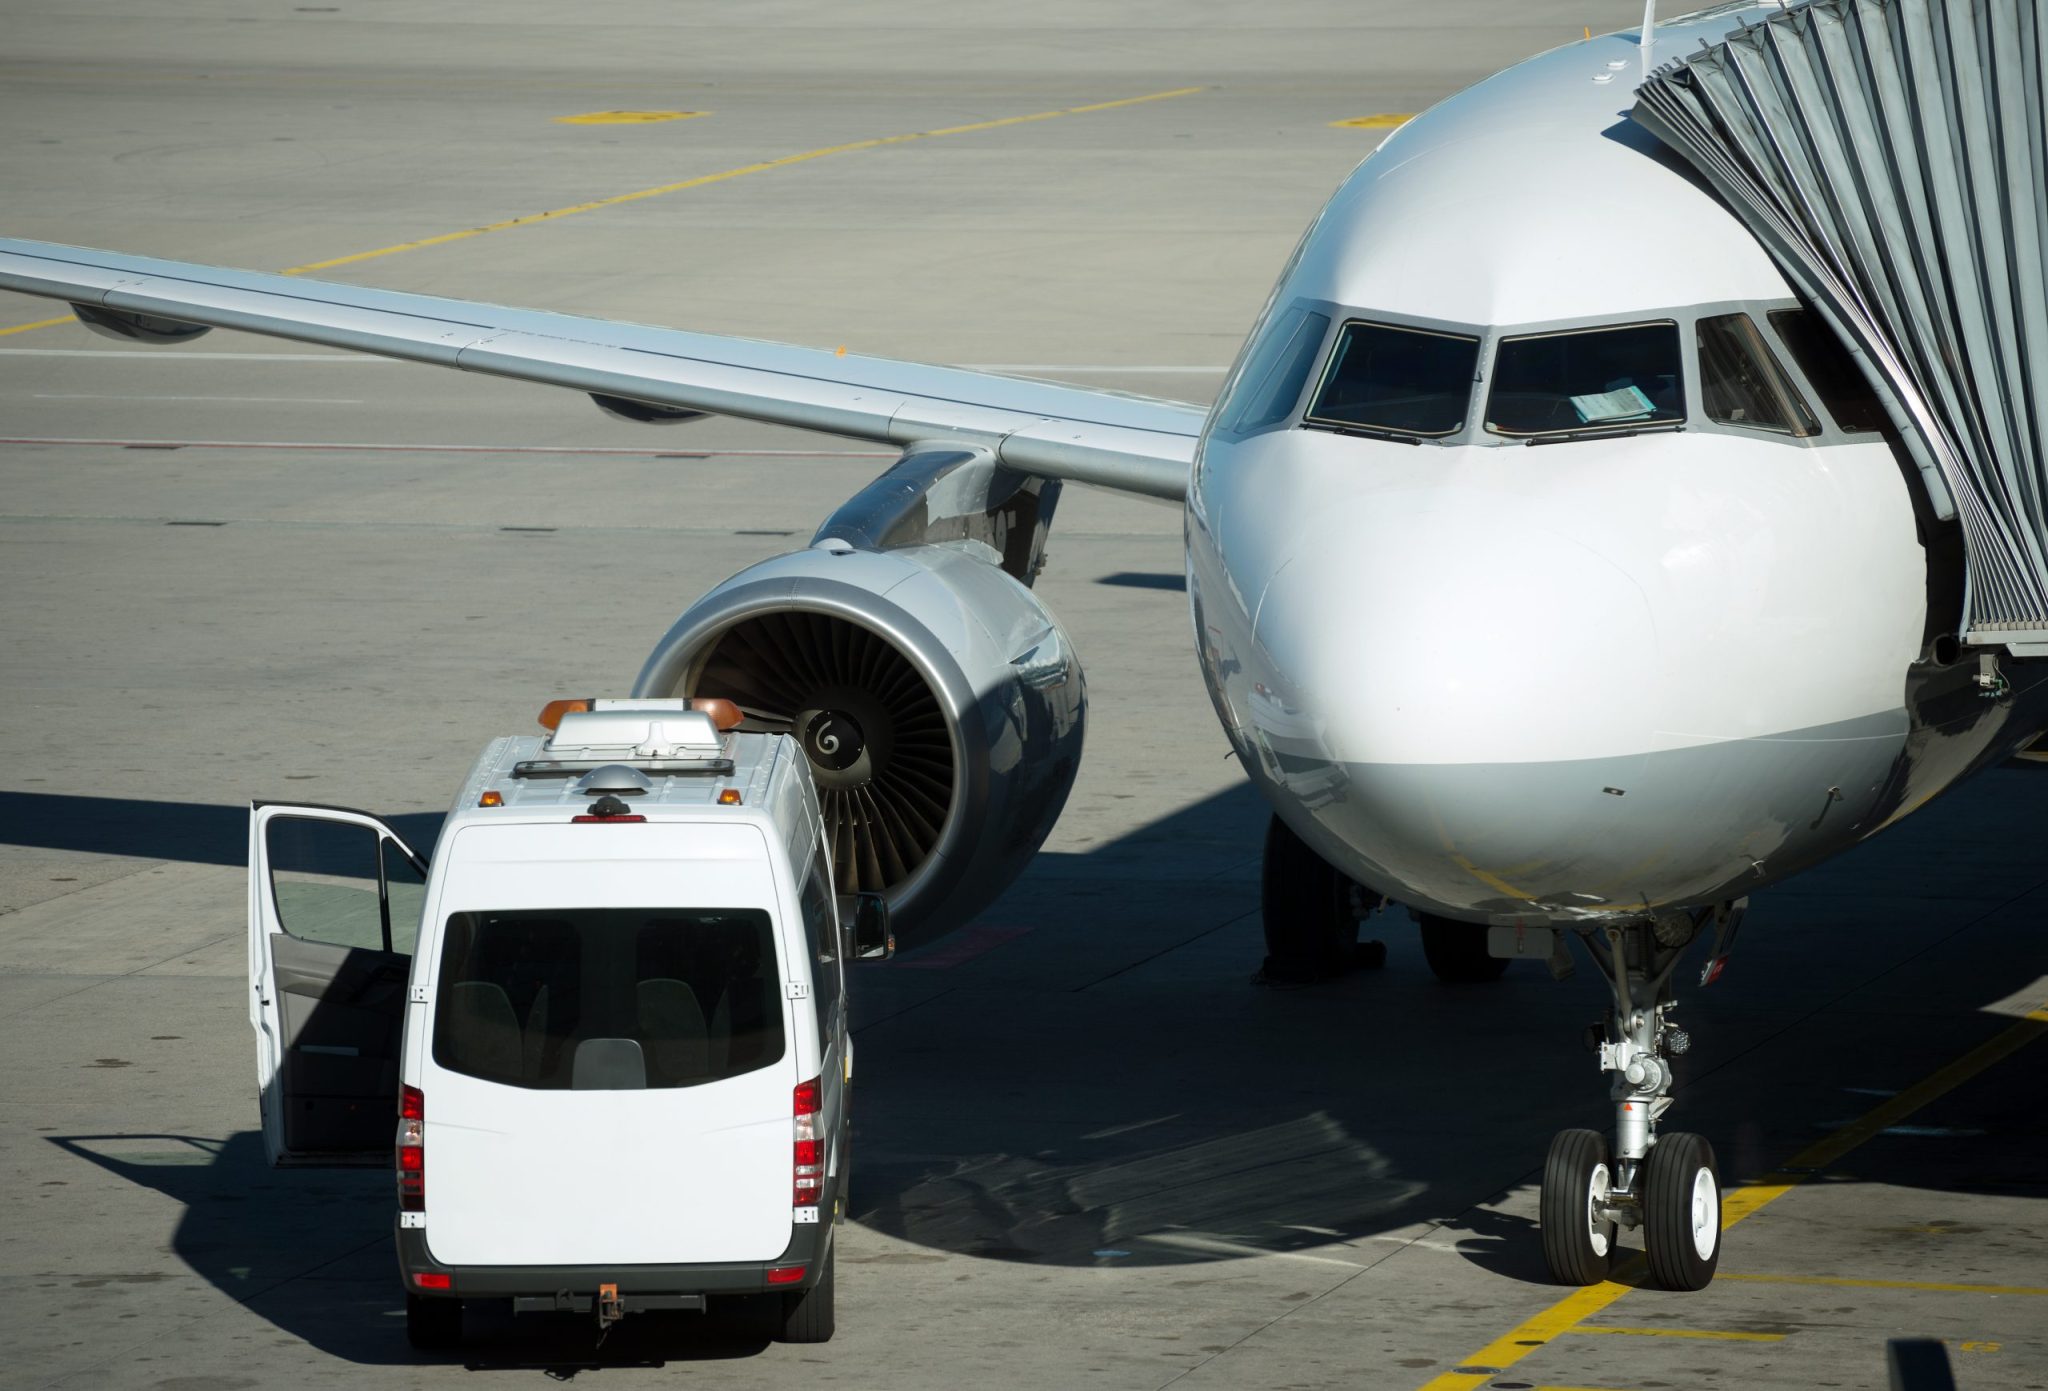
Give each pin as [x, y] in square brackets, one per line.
[868, 930]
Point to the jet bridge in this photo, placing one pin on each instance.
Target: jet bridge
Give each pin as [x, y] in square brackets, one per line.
[1890, 155]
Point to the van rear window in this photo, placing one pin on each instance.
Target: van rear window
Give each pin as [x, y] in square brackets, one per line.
[608, 999]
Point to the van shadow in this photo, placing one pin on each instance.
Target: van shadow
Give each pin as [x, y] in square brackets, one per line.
[190, 832]
[311, 1251]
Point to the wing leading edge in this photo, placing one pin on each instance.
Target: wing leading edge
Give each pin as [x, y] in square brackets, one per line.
[1133, 444]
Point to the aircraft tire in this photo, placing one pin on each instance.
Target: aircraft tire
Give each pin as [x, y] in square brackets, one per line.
[1682, 1211]
[1311, 934]
[1577, 1246]
[1456, 951]
[433, 1325]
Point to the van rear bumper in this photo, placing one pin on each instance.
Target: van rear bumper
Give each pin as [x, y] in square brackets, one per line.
[808, 1244]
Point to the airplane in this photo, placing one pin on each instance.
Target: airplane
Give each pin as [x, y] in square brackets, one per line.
[1552, 570]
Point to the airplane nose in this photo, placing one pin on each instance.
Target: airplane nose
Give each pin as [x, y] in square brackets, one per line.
[1461, 637]
[1476, 699]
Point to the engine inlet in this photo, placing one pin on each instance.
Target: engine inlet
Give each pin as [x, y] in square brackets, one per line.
[871, 726]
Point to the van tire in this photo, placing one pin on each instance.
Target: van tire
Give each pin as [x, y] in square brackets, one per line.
[807, 1314]
[433, 1325]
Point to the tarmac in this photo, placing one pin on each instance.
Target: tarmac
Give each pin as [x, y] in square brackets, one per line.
[1090, 1152]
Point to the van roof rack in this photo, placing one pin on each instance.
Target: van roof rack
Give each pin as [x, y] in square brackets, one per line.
[571, 767]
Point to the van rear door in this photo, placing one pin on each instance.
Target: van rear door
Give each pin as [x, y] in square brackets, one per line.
[334, 904]
[610, 1071]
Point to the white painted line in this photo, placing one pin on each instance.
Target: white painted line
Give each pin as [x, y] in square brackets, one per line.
[192, 355]
[1079, 369]
[1127, 1129]
[1424, 1242]
[315, 446]
[124, 396]
[1190, 1241]
[181, 355]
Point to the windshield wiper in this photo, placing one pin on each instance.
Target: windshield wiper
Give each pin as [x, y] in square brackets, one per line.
[1669, 427]
[1363, 431]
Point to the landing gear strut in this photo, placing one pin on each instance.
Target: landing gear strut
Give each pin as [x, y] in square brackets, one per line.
[1311, 914]
[1666, 1186]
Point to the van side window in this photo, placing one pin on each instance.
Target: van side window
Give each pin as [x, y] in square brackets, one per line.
[405, 893]
[821, 934]
[601, 999]
[324, 878]
[1742, 385]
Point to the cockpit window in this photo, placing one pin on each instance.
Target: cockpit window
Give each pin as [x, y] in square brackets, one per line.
[1834, 374]
[1741, 383]
[1266, 390]
[1407, 381]
[1586, 381]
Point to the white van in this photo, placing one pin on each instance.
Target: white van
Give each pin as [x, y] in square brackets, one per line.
[610, 1016]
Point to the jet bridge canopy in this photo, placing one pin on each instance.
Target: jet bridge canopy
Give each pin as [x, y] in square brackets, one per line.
[1890, 155]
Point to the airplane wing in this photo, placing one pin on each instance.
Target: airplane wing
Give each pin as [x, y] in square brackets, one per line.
[1130, 443]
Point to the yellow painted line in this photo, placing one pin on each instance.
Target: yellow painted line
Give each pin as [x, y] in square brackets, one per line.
[1727, 1335]
[39, 323]
[1749, 1198]
[701, 181]
[1384, 120]
[626, 118]
[1491, 880]
[1582, 1304]
[1937, 1287]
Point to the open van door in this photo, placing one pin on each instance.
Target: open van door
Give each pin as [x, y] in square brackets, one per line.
[334, 907]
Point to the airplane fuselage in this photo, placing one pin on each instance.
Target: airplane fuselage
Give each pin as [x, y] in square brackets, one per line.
[1521, 591]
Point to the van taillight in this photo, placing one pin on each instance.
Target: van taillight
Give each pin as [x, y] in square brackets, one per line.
[412, 1150]
[810, 1150]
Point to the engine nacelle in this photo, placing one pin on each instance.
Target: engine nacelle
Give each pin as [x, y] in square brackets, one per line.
[127, 326]
[940, 704]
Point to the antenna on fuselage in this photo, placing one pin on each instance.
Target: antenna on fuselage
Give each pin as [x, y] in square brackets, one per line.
[1649, 20]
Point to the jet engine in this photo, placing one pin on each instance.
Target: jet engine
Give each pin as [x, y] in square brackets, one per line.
[938, 701]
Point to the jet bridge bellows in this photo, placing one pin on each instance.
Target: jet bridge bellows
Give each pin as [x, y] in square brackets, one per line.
[1890, 155]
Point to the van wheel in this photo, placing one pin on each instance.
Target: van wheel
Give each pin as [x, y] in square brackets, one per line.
[433, 1324]
[807, 1314]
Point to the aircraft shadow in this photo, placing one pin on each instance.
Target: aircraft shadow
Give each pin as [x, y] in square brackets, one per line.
[1144, 579]
[1038, 1110]
[1086, 1077]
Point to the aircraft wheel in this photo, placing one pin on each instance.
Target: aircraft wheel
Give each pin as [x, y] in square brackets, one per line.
[1578, 1244]
[1682, 1211]
[433, 1325]
[1457, 951]
[1311, 930]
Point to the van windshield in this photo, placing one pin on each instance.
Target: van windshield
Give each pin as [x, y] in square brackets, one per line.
[608, 998]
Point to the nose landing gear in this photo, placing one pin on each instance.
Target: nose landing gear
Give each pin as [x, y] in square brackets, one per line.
[1667, 1186]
